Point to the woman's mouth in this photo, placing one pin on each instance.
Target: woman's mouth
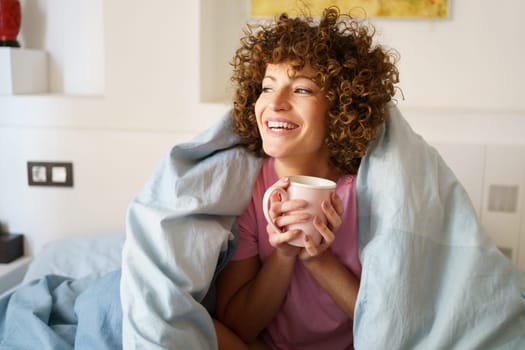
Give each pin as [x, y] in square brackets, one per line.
[280, 125]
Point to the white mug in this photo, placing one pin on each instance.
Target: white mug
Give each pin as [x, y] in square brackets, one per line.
[311, 189]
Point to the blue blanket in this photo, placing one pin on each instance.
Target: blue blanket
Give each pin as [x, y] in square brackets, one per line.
[431, 278]
[179, 231]
[60, 313]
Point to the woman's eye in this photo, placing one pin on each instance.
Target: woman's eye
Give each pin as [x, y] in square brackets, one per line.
[303, 91]
[266, 89]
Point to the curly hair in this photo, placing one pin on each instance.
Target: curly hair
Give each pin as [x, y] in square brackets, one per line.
[357, 78]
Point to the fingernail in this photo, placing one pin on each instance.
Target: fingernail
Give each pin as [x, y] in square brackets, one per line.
[286, 179]
[301, 204]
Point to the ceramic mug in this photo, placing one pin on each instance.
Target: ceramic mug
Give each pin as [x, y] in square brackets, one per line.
[311, 189]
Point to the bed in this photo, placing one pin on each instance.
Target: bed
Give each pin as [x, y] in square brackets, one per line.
[57, 304]
[431, 278]
[74, 257]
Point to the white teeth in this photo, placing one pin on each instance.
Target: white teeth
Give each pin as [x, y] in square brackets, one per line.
[280, 125]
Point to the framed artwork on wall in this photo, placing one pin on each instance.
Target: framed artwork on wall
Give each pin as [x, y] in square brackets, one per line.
[369, 8]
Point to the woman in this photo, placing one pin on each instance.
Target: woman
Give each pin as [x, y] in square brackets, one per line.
[310, 97]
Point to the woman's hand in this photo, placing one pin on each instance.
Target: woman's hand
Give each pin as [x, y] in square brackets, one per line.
[333, 211]
[284, 213]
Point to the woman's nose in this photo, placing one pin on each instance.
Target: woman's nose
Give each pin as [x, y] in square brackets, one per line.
[280, 100]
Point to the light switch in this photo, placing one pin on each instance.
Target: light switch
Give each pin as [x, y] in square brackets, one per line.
[39, 173]
[58, 174]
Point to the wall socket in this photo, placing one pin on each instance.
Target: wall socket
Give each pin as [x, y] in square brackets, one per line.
[59, 174]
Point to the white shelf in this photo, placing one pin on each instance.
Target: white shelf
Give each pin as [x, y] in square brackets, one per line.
[72, 33]
[23, 71]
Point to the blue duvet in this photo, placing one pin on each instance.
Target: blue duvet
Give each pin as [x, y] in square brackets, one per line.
[60, 313]
[432, 278]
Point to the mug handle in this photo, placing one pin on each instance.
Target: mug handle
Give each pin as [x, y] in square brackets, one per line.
[266, 201]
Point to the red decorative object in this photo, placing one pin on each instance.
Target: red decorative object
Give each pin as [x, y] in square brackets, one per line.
[10, 20]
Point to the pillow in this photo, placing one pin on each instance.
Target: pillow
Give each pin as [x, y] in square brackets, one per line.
[78, 256]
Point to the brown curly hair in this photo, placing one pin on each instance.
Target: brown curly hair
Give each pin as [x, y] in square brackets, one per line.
[357, 78]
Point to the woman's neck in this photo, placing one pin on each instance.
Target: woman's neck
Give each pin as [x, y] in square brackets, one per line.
[310, 168]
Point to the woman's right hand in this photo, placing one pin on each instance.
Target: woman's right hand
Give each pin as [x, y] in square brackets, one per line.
[284, 213]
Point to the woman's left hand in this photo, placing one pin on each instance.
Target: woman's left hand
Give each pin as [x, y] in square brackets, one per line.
[333, 211]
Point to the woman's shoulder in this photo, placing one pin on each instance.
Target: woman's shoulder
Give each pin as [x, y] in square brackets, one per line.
[347, 180]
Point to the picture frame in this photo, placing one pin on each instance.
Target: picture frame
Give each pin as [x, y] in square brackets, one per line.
[437, 9]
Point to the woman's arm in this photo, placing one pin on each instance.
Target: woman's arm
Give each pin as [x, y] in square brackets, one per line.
[332, 275]
[335, 278]
[249, 294]
[227, 340]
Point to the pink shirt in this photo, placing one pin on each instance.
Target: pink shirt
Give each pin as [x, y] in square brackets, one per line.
[308, 318]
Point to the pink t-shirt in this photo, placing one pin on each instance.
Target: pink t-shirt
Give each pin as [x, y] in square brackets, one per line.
[308, 318]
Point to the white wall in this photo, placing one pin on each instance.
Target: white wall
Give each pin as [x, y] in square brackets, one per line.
[461, 78]
[108, 169]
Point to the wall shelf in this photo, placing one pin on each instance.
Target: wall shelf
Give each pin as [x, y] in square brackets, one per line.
[72, 34]
[23, 71]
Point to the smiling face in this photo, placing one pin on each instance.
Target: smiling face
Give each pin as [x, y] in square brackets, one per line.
[291, 115]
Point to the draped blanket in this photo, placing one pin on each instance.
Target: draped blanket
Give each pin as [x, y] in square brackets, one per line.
[432, 278]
